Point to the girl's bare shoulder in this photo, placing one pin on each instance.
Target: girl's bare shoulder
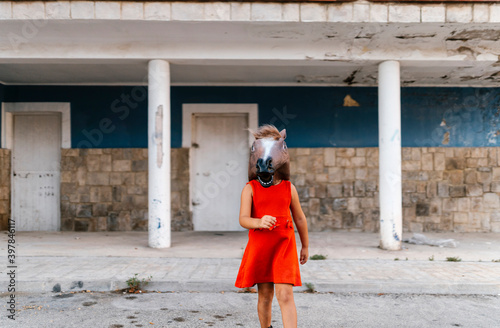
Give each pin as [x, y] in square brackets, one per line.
[247, 189]
[294, 192]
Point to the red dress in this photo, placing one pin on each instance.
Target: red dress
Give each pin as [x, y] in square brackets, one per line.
[270, 255]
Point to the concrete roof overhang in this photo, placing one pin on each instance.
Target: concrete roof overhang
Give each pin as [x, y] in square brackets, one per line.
[248, 53]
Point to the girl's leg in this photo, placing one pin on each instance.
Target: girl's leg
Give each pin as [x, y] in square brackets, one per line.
[284, 294]
[264, 306]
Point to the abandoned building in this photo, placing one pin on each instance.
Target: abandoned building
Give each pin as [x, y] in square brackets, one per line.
[124, 115]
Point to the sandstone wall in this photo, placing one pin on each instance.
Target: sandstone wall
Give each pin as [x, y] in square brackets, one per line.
[4, 188]
[444, 189]
[107, 189]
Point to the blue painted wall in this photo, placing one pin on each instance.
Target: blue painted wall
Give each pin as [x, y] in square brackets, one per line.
[116, 117]
[101, 117]
[313, 117]
[469, 115]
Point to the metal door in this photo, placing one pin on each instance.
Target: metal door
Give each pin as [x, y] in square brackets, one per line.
[36, 157]
[219, 170]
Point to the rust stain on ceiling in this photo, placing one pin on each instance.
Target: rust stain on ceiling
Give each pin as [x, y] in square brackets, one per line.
[471, 54]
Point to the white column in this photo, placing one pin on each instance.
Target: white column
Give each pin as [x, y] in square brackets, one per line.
[389, 130]
[159, 153]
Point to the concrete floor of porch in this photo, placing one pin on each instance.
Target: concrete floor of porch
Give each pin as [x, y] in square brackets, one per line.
[195, 244]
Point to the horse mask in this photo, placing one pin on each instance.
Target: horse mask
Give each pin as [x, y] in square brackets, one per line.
[269, 157]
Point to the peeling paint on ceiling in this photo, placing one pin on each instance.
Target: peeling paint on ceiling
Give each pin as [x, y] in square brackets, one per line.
[415, 36]
[350, 79]
[466, 35]
[256, 53]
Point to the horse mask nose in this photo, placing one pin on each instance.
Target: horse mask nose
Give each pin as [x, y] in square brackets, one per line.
[265, 166]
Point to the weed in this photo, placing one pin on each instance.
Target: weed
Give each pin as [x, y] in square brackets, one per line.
[318, 257]
[135, 284]
[453, 259]
[431, 258]
[396, 259]
[310, 287]
[495, 260]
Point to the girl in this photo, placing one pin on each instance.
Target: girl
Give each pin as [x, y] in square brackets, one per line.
[270, 259]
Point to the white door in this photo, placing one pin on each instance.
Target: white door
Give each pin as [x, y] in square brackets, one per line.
[219, 169]
[36, 157]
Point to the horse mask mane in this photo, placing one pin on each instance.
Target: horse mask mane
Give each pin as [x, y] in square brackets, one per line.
[269, 157]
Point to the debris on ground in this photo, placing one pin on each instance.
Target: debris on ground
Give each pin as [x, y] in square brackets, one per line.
[420, 239]
[248, 290]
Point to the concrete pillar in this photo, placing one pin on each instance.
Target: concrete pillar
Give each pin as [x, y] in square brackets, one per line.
[389, 130]
[159, 153]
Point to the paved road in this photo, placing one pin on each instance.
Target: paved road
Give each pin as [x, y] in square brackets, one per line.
[360, 285]
[233, 309]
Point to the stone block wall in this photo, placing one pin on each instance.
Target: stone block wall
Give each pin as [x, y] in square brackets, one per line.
[444, 189]
[181, 216]
[107, 189]
[4, 188]
[337, 187]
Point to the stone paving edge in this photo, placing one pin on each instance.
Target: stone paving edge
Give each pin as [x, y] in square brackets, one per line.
[226, 285]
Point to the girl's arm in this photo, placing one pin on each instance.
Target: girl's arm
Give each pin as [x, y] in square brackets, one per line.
[301, 223]
[246, 221]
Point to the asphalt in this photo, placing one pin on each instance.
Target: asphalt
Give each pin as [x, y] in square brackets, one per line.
[209, 262]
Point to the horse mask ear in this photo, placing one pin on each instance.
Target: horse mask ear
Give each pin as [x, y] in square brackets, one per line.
[283, 133]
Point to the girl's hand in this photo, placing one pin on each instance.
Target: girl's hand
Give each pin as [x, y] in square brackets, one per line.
[267, 222]
[304, 255]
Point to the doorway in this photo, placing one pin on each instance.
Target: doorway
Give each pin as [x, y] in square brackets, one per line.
[219, 150]
[36, 157]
